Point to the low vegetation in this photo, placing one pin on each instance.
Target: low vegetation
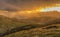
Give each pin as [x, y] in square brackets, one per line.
[37, 27]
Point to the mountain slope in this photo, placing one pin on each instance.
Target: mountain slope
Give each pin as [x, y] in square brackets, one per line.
[8, 23]
[51, 19]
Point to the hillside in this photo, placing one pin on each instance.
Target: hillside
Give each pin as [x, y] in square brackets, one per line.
[43, 25]
[8, 23]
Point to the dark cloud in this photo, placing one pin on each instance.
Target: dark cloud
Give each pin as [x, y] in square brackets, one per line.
[4, 5]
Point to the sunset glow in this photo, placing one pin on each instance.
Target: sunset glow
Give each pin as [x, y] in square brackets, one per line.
[57, 8]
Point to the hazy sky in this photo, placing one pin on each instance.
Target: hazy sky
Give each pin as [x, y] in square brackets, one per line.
[14, 5]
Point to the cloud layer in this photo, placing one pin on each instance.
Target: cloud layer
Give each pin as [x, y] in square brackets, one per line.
[14, 5]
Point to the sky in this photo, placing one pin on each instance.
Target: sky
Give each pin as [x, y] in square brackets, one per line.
[10, 8]
[18, 5]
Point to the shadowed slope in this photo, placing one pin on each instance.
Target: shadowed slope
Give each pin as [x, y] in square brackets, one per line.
[27, 27]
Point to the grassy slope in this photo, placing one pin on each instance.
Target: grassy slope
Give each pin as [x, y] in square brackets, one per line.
[7, 23]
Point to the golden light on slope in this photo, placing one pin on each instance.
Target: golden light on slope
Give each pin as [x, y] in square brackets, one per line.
[57, 4]
[28, 12]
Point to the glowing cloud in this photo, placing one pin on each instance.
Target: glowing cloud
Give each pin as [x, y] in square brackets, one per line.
[56, 8]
